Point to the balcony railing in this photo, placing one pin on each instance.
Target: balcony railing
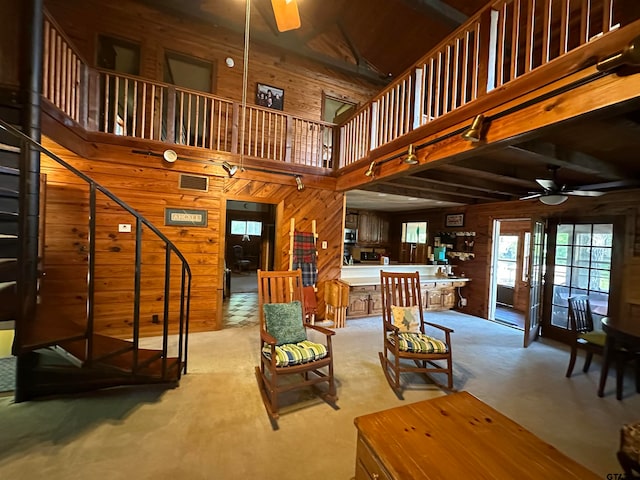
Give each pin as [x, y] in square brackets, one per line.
[501, 43]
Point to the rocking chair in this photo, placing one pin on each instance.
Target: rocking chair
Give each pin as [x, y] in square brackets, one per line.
[284, 347]
[405, 338]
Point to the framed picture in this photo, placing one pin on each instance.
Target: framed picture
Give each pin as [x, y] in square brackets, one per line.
[270, 97]
[454, 220]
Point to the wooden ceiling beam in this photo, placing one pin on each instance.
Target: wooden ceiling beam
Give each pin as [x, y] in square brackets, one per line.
[392, 189]
[472, 183]
[492, 175]
[432, 187]
[552, 154]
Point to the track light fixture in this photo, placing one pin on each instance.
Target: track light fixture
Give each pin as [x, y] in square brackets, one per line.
[411, 158]
[299, 183]
[630, 55]
[370, 171]
[474, 133]
[230, 169]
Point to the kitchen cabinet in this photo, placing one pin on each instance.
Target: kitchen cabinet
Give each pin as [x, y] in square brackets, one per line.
[359, 301]
[373, 228]
[437, 296]
[351, 220]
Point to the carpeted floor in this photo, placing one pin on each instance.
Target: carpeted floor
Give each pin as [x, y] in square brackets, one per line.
[7, 374]
[214, 426]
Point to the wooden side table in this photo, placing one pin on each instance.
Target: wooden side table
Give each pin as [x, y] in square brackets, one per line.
[455, 436]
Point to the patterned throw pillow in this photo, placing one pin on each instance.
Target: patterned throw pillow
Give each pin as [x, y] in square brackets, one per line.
[284, 322]
[407, 319]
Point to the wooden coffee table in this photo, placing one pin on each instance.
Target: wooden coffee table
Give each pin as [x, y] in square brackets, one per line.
[455, 436]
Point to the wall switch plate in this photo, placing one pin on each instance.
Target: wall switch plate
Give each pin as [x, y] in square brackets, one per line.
[324, 245]
[124, 227]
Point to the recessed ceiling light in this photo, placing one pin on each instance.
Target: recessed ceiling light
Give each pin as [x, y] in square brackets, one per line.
[382, 194]
[412, 198]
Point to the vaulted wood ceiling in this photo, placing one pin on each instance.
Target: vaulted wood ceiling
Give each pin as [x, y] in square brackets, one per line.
[377, 39]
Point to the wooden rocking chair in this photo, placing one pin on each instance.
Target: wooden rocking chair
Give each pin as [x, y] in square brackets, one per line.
[284, 348]
[405, 337]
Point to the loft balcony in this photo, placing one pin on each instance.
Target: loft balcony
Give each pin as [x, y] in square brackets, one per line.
[504, 62]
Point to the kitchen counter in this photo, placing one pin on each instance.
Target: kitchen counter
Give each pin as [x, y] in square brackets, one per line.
[360, 281]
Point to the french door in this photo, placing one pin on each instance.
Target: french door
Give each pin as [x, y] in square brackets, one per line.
[581, 257]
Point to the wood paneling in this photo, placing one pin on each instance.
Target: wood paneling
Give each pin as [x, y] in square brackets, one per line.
[148, 186]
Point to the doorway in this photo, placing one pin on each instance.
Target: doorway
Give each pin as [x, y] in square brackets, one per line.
[250, 242]
[510, 267]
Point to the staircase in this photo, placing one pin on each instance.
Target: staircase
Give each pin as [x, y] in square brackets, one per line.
[66, 355]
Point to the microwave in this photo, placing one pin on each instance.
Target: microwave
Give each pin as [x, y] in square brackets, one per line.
[350, 235]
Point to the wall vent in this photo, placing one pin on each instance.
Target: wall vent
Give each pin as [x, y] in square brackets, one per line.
[194, 182]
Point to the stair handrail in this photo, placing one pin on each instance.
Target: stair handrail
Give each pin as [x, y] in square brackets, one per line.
[140, 220]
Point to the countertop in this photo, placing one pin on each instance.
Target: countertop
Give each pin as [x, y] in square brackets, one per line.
[362, 281]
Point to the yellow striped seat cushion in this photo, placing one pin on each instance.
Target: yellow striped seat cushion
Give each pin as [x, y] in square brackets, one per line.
[419, 343]
[296, 353]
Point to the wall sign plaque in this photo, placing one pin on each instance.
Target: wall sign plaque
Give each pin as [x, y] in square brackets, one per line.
[182, 217]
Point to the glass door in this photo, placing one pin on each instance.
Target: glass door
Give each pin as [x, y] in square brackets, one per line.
[582, 255]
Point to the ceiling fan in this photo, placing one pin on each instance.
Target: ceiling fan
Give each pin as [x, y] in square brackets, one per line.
[286, 13]
[554, 193]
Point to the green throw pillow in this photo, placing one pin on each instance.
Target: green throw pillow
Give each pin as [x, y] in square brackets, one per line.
[284, 322]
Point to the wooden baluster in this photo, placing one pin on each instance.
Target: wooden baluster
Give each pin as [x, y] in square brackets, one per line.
[464, 67]
[438, 86]
[171, 115]
[500, 56]
[455, 103]
[446, 95]
[585, 16]
[480, 76]
[515, 39]
[116, 104]
[125, 108]
[262, 135]
[546, 31]
[607, 15]
[145, 106]
[289, 139]
[531, 18]
[430, 83]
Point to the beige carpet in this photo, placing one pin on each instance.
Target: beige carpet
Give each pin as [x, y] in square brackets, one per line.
[214, 425]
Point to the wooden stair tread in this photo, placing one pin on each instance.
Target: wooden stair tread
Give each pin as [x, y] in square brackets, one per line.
[118, 353]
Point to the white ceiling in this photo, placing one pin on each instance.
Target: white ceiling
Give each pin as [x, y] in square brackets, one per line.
[384, 202]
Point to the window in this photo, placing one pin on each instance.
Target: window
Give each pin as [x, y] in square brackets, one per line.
[582, 267]
[245, 228]
[507, 260]
[118, 55]
[188, 72]
[414, 232]
[525, 257]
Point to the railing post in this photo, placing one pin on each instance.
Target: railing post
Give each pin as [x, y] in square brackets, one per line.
[335, 147]
[235, 148]
[171, 115]
[289, 144]
[93, 99]
[484, 54]
[83, 114]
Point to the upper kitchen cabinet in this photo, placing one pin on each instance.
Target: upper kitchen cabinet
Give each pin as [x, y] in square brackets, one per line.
[373, 228]
[351, 220]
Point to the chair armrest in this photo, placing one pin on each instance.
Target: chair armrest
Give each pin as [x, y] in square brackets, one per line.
[322, 330]
[390, 326]
[267, 337]
[435, 325]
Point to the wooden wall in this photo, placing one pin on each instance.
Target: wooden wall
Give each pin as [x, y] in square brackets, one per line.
[10, 37]
[156, 32]
[149, 186]
[479, 218]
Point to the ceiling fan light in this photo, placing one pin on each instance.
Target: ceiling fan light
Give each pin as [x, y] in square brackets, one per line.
[553, 199]
[286, 13]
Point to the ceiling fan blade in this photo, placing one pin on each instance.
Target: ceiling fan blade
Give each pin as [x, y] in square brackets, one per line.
[286, 13]
[529, 197]
[547, 184]
[584, 193]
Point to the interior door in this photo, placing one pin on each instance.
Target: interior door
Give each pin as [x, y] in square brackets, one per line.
[536, 266]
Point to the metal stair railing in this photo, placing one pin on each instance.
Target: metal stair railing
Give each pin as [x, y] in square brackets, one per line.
[185, 281]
